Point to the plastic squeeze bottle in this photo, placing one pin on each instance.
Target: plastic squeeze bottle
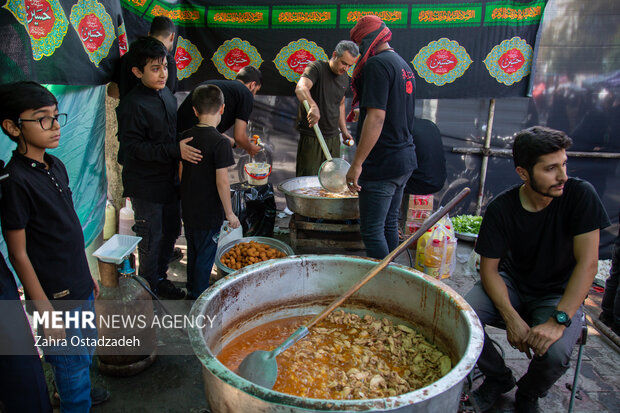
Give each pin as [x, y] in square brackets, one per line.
[126, 219]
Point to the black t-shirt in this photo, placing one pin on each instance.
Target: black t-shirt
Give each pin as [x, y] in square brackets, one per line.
[387, 83]
[536, 248]
[238, 99]
[430, 174]
[327, 91]
[126, 80]
[200, 202]
[39, 201]
[149, 150]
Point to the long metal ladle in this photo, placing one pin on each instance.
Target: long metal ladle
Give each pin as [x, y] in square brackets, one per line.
[261, 367]
[333, 172]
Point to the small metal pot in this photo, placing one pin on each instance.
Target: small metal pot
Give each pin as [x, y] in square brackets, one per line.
[223, 270]
[315, 206]
[304, 285]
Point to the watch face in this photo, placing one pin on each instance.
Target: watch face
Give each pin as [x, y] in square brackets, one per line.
[561, 317]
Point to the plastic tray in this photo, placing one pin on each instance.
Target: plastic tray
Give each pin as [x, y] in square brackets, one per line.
[117, 248]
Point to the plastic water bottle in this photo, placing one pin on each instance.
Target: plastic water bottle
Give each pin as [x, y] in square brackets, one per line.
[419, 253]
[109, 226]
[126, 219]
[433, 254]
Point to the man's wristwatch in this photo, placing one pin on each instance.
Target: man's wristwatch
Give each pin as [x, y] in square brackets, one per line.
[561, 318]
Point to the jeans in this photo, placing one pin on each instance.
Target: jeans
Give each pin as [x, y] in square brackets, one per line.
[611, 297]
[379, 203]
[201, 251]
[159, 225]
[543, 371]
[71, 364]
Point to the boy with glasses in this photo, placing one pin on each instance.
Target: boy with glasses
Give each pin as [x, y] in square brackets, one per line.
[44, 235]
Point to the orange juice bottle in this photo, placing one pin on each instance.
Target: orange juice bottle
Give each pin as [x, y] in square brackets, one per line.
[419, 252]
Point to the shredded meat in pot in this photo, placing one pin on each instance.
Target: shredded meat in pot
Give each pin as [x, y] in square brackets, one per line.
[348, 357]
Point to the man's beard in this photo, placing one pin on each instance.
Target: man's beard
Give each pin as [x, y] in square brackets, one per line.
[536, 188]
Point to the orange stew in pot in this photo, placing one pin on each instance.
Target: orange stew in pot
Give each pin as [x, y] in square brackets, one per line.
[344, 357]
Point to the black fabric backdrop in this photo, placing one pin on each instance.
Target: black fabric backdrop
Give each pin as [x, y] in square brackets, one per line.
[70, 64]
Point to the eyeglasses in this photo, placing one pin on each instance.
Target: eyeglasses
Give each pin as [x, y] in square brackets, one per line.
[47, 122]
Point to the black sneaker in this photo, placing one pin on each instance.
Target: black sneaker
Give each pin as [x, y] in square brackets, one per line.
[525, 404]
[485, 396]
[98, 395]
[167, 291]
[177, 254]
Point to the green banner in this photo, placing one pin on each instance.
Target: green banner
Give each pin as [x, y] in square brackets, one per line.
[317, 17]
[180, 15]
[393, 15]
[238, 17]
[507, 13]
[449, 15]
[139, 6]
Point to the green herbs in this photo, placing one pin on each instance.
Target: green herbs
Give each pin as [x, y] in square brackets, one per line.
[468, 224]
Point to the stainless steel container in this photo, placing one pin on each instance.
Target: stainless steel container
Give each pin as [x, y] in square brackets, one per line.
[223, 270]
[315, 206]
[302, 285]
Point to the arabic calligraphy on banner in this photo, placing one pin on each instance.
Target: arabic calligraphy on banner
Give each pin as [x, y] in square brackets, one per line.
[304, 16]
[448, 16]
[442, 61]
[187, 58]
[292, 59]
[233, 55]
[393, 15]
[180, 15]
[45, 22]
[94, 27]
[250, 17]
[506, 12]
[510, 61]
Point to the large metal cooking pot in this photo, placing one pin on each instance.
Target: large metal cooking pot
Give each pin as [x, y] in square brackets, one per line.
[315, 206]
[302, 285]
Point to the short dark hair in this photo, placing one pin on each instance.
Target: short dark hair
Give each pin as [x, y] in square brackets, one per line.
[250, 74]
[207, 99]
[18, 97]
[536, 141]
[145, 49]
[162, 26]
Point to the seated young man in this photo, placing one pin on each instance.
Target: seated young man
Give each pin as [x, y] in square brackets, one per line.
[539, 254]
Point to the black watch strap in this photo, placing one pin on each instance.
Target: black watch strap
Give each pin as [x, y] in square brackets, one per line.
[561, 318]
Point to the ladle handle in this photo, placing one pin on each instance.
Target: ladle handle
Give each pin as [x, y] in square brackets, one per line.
[432, 220]
[319, 135]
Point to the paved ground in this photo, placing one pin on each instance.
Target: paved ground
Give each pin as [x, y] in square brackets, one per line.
[174, 384]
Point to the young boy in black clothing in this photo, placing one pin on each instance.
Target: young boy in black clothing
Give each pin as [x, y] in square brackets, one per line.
[150, 155]
[44, 235]
[203, 211]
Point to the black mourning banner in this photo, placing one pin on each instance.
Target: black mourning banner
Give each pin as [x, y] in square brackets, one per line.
[457, 50]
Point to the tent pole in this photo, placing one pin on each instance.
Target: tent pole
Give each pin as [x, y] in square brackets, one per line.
[485, 155]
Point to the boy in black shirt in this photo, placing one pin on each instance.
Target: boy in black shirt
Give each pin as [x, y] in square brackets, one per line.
[205, 191]
[44, 235]
[539, 254]
[150, 155]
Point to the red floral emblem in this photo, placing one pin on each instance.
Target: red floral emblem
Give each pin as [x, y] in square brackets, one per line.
[511, 61]
[122, 44]
[299, 60]
[236, 59]
[39, 17]
[441, 62]
[409, 87]
[182, 58]
[91, 32]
